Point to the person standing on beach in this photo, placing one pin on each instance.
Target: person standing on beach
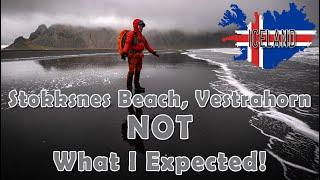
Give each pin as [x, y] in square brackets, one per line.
[134, 45]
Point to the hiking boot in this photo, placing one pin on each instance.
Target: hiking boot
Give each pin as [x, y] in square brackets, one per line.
[139, 88]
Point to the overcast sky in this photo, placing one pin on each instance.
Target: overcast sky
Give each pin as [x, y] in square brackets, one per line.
[21, 17]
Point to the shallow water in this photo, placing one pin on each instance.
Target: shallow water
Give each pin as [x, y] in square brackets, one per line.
[43, 130]
[293, 132]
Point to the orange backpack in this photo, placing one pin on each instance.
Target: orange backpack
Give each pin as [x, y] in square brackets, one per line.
[122, 40]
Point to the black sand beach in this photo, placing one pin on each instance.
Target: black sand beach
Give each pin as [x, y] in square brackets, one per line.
[28, 136]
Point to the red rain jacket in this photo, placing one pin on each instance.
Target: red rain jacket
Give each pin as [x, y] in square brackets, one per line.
[142, 42]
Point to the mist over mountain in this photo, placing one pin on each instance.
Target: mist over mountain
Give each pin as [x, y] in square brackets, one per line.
[61, 36]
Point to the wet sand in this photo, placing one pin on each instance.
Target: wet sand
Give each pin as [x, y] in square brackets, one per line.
[28, 136]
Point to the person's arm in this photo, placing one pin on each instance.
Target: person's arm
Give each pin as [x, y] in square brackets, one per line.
[146, 45]
[151, 50]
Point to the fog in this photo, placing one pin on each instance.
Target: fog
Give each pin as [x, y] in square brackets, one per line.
[21, 17]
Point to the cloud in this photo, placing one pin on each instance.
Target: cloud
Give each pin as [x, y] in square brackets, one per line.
[22, 17]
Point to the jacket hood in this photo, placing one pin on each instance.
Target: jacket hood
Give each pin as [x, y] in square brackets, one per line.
[136, 24]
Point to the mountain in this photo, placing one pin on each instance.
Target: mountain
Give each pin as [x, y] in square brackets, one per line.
[60, 36]
[22, 43]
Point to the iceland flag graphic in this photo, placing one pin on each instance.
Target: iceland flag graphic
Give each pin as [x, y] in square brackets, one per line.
[272, 37]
